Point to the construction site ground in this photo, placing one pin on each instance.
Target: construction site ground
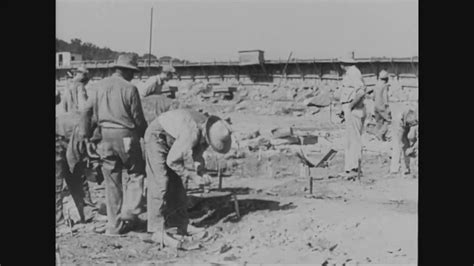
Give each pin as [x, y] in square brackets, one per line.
[371, 220]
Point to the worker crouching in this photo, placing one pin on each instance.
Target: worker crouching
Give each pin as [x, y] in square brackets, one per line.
[405, 140]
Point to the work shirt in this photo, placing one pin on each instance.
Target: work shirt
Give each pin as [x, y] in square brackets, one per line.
[65, 124]
[74, 97]
[185, 127]
[381, 95]
[352, 82]
[153, 85]
[114, 102]
[155, 105]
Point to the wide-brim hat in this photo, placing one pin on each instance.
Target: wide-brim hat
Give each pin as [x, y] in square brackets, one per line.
[348, 58]
[218, 134]
[81, 69]
[383, 74]
[168, 69]
[126, 61]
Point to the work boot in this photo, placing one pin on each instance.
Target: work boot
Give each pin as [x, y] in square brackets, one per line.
[165, 238]
[407, 174]
[175, 241]
[190, 230]
[100, 229]
[100, 218]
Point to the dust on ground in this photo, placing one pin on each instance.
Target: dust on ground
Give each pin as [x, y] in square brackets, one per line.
[371, 220]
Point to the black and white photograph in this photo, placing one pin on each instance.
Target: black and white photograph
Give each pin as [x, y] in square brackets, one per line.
[236, 132]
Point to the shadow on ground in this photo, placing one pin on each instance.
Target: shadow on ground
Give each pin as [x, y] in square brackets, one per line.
[206, 213]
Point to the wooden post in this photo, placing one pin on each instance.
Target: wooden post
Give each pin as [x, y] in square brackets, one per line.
[330, 110]
[149, 48]
[308, 174]
[236, 205]
[219, 174]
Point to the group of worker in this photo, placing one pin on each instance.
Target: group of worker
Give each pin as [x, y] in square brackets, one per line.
[99, 135]
[352, 94]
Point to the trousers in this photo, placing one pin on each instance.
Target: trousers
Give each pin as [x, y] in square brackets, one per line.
[400, 144]
[382, 118]
[166, 194]
[120, 150]
[354, 122]
[74, 181]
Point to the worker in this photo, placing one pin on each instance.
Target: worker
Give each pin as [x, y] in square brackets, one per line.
[404, 142]
[170, 139]
[74, 99]
[154, 84]
[381, 106]
[70, 166]
[352, 93]
[116, 106]
[58, 97]
[75, 94]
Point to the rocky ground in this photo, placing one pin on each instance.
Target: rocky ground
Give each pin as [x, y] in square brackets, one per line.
[371, 220]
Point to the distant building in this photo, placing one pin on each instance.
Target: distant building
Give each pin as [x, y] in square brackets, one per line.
[64, 59]
[251, 57]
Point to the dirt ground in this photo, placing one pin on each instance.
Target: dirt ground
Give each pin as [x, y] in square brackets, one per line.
[371, 220]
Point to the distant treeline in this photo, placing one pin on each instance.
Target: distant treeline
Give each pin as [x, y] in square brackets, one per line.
[90, 51]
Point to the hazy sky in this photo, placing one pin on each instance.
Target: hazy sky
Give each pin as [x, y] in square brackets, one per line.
[208, 30]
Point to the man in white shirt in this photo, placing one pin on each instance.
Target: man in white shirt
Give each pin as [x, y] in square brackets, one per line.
[353, 91]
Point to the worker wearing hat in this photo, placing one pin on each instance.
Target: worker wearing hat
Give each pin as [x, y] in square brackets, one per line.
[154, 84]
[116, 106]
[404, 140]
[381, 106]
[170, 139]
[75, 95]
[352, 90]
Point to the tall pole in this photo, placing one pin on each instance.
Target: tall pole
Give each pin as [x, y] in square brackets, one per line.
[284, 69]
[149, 49]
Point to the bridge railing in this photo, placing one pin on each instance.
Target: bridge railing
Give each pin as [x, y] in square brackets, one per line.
[143, 63]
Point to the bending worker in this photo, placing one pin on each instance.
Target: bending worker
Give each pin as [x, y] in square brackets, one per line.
[404, 128]
[170, 139]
